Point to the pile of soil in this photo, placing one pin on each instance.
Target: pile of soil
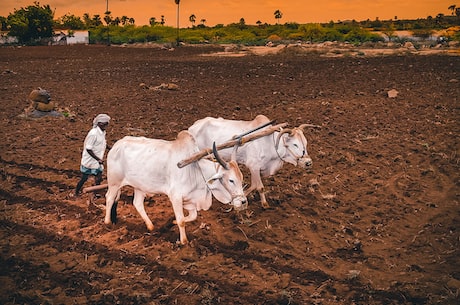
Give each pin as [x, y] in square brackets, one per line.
[376, 221]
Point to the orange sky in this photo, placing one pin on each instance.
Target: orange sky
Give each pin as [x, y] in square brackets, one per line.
[229, 11]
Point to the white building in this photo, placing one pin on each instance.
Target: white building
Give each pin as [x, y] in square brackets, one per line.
[5, 39]
[75, 37]
[59, 38]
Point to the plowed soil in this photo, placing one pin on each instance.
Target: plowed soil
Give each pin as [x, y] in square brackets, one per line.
[376, 220]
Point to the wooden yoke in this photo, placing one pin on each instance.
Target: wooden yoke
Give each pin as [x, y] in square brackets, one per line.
[231, 143]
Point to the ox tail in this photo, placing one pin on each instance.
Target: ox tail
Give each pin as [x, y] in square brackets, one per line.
[113, 212]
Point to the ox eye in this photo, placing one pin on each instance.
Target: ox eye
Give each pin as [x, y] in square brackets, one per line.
[296, 146]
[231, 181]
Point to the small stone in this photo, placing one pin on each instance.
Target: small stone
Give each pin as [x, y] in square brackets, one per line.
[392, 93]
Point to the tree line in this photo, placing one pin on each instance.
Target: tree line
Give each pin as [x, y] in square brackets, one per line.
[36, 22]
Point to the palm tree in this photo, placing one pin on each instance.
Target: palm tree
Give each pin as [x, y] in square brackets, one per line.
[203, 21]
[152, 21]
[116, 21]
[107, 17]
[177, 2]
[124, 20]
[452, 8]
[97, 20]
[192, 19]
[162, 22]
[259, 23]
[87, 19]
[242, 23]
[278, 15]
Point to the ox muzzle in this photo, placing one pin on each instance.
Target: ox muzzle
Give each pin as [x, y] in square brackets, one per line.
[305, 162]
[240, 203]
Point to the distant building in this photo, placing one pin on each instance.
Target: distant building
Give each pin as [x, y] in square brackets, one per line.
[71, 37]
[60, 38]
[5, 39]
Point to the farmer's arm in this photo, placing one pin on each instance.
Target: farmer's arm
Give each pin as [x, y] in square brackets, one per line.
[92, 154]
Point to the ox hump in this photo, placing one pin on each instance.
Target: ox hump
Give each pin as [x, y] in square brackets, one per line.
[262, 119]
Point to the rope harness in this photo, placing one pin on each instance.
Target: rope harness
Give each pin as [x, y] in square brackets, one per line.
[216, 167]
[287, 148]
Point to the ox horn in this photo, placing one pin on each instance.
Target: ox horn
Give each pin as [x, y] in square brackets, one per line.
[303, 126]
[287, 130]
[235, 150]
[218, 158]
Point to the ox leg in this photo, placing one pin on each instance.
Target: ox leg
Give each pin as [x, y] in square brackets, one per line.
[263, 200]
[138, 203]
[249, 190]
[180, 219]
[113, 212]
[256, 184]
[112, 195]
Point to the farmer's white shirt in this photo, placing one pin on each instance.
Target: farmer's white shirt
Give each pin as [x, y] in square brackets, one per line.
[95, 141]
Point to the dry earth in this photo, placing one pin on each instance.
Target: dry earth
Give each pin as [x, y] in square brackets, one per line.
[375, 222]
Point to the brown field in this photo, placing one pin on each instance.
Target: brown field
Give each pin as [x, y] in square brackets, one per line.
[376, 221]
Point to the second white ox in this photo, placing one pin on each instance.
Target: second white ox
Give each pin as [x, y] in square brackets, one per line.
[263, 156]
[149, 166]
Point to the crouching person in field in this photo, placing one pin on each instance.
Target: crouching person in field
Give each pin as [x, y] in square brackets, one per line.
[94, 147]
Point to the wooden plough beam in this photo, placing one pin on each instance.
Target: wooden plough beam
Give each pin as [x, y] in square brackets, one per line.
[95, 188]
[238, 140]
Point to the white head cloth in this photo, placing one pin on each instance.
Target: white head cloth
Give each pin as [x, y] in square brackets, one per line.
[101, 118]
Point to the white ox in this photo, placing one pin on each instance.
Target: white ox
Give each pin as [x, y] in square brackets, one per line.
[263, 156]
[149, 166]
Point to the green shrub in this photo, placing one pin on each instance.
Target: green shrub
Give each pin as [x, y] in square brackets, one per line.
[295, 36]
[422, 33]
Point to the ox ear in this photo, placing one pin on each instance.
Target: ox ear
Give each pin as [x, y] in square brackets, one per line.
[215, 177]
[280, 134]
[218, 191]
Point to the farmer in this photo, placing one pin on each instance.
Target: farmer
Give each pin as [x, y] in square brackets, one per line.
[92, 157]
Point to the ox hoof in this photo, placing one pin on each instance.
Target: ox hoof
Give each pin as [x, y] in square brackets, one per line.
[265, 205]
[150, 227]
[110, 225]
[184, 242]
